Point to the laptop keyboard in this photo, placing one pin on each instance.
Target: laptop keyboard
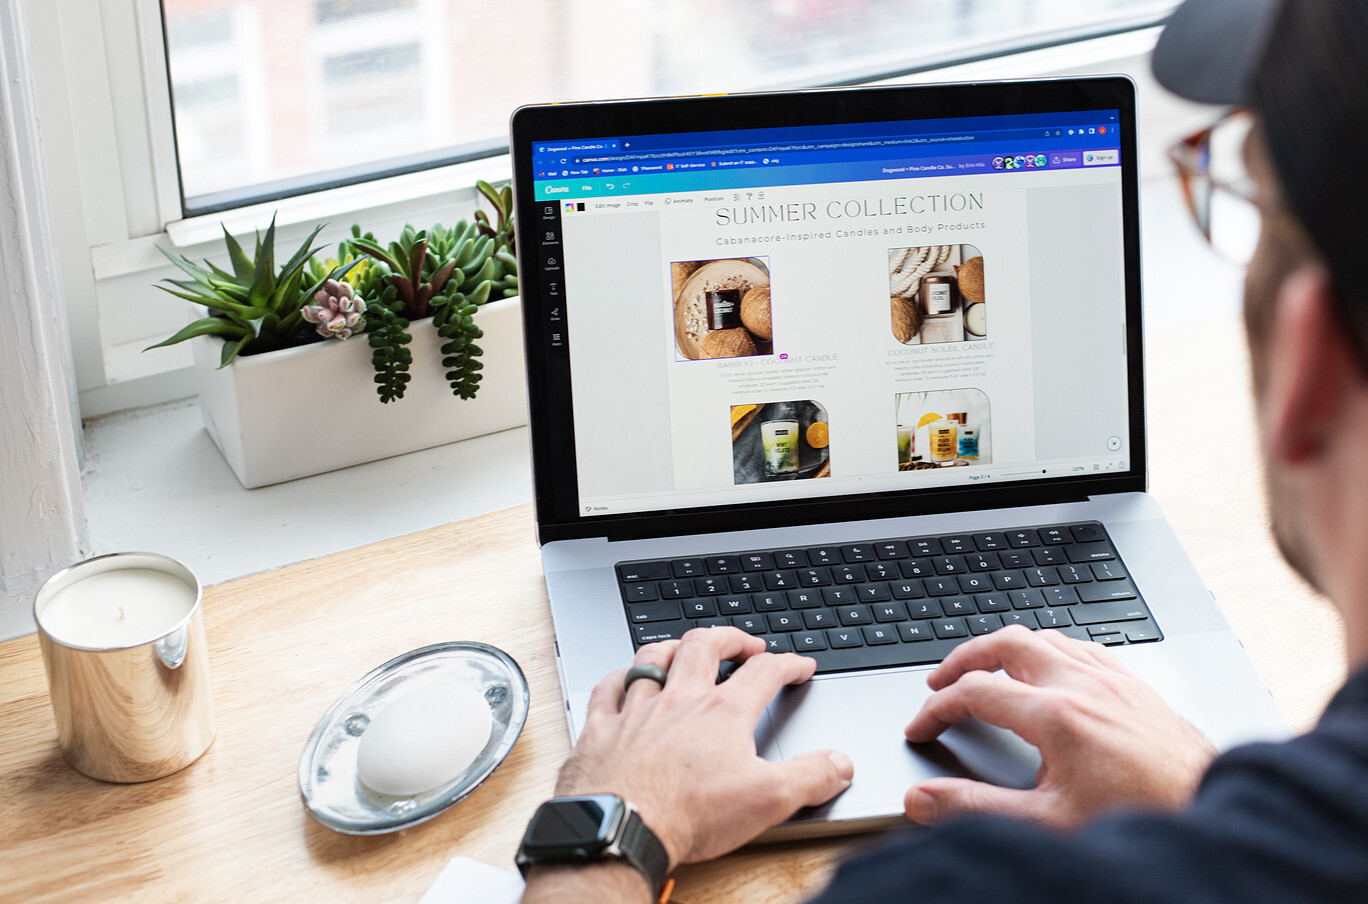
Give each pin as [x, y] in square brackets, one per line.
[895, 601]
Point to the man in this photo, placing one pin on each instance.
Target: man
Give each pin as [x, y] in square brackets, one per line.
[1164, 822]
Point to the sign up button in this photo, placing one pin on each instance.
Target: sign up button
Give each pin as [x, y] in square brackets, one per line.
[1101, 158]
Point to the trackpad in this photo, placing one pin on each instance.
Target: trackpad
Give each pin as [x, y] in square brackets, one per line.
[864, 716]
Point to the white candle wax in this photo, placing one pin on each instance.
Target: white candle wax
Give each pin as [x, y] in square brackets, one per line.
[120, 608]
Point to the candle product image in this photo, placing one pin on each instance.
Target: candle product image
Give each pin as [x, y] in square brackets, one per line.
[122, 638]
[724, 309]
[907, 443]
[944, 437]
[969, 442]
[939, 295]
[779, 442]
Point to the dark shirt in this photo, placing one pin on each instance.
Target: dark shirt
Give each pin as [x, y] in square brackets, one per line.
[1284, 822]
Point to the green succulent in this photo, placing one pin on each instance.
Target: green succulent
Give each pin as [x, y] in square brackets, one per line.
[255, 308]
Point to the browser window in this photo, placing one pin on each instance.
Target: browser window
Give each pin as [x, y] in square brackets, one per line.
[796, 313]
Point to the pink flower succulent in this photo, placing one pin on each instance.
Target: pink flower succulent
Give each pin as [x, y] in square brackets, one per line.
[336, 310]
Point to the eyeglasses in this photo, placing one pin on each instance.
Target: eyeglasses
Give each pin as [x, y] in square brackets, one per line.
[1219, 191]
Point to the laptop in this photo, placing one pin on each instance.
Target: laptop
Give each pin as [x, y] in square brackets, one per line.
[858, 371]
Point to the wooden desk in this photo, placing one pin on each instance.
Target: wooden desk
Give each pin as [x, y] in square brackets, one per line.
[286, 644]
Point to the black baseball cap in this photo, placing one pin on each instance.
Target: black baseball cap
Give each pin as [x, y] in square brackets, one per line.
[1302, 67]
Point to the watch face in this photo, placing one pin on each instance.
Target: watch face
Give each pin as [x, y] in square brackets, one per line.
[579, 826]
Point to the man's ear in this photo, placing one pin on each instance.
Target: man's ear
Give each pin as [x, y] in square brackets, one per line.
[1310, 368]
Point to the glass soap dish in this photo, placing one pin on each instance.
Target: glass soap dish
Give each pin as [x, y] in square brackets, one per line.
[328, 780]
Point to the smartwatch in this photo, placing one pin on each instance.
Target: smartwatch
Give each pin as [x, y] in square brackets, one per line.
[570, 830]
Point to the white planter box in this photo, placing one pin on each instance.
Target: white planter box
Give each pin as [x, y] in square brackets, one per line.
[307, 410]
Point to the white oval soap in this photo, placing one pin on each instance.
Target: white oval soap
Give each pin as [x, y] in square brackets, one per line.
[423, 739]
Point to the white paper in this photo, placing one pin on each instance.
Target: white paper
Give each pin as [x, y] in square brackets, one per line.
[466, 881]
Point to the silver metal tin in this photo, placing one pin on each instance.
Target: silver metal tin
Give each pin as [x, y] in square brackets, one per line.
[328, 781]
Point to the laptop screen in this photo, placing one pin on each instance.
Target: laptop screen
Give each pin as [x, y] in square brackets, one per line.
[890, 307]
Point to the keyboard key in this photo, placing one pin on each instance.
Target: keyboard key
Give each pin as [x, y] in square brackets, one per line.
[808, 641]
[658, 631]
[1090, 552]
[819, 618]
[916, 568]
[983, 624]
[839, 596]
[841, 639]
[1110, 590]
[1053, 618]
[953, 545]
[711, 586]
[950, 564]
[1018, 539]
[941, 586]
[785, 621]
[718, 622]
[993, 602]
[950, 627]
[982, 561]
[915, 631]
[664, 610]
[1108, 571]
[1049, 555]
[855, 615]
[825, 555]
[890, 612]
[688, 568]
[781, 580]
[1008, 580]
[1088, 533]
[734, 605]
[925, 546]
[704, 608]
[881, 571]
[1027, 619]
[859, 552]
[757, 561]
[975, 583]
[1060, 596]
[1110, 640]
[1016, 559]
[751, 624]
[1053, 535]
[769, 602]
[805, 599]
[790, 558]
[638, 593]
[675, 590]
[724, 564]
[872, 593]
[1074, 574]
[1142, 635]
[847, 574]
[814, 577]
[990, 542]
[906, 590]
[877, 634]
[1126, 610]
[745, 583]
[778, 643]
[635, 572]
[1042, 577]
[891, 549]
[924, 609]
[1108, 628]
[958, 605]
[1026, 599]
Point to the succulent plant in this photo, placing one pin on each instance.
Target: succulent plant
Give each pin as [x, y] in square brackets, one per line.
[254, 308]
[336, 310]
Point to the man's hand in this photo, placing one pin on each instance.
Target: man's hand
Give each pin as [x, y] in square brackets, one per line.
[1105, 737]
[685, 755]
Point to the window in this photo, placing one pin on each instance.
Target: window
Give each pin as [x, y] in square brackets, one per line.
[275, 98]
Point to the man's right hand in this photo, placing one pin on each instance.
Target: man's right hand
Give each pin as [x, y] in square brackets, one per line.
[1106, 739]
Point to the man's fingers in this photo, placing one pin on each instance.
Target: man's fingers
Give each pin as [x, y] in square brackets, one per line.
[937, 799]
[1017, 650]
[991, 696]
[754, 684]
[810, 779]
[606, 698]
[661, 654]
[702, 649]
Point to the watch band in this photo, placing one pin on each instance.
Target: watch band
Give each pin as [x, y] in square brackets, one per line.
[640, 847]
